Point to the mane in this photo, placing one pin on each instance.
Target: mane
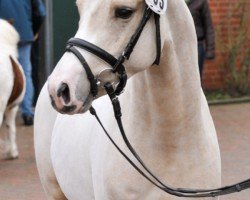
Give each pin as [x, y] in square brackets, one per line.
[9, 39]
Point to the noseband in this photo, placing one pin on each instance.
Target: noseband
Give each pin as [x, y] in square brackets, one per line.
[118, 67]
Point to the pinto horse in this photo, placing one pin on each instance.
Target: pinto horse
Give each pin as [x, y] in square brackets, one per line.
[165, 113]
[12, 85]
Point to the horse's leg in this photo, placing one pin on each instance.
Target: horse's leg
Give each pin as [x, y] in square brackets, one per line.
[1, 142]
[1, 117]
[45, 117]
[3, 103]
[10, 120]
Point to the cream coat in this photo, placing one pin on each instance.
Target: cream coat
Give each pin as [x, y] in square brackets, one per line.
[165, 113]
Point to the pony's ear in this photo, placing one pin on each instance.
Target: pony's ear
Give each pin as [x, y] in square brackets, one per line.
[10, 21]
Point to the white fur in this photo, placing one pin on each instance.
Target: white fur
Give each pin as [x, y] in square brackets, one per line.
[8, 47]
[9, 38]
[165, 113]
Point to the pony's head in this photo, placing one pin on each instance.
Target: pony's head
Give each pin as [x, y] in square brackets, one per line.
[108, 24]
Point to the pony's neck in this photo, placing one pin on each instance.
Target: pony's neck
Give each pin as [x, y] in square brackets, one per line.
[166, 100]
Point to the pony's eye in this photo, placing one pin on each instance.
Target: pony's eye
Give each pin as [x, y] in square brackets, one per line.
[124, 12]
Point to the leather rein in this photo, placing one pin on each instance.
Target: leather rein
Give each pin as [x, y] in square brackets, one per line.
[118, 68]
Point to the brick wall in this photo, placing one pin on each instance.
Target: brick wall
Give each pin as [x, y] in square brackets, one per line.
[226, 17]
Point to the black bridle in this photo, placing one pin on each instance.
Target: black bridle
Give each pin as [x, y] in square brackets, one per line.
[118, 67]
[116, 64]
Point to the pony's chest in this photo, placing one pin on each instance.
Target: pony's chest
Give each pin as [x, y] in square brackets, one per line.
[70, 159]
[94, 170]
[87, 165]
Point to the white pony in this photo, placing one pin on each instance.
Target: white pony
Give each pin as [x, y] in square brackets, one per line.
[12, 85]
[165, 113]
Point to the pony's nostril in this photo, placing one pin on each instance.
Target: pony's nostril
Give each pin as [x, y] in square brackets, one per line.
[68, 109]
[63, 91]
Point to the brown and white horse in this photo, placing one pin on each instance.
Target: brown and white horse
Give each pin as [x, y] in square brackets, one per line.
[165, 112]
[12, 85]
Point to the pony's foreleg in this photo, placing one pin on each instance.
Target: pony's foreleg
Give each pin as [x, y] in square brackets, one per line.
[2, 110]
[45, 117]
[10, 120]
[1, 142]
[1, 118]
[3, 103]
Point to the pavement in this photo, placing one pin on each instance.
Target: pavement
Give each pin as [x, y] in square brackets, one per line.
[19, 178]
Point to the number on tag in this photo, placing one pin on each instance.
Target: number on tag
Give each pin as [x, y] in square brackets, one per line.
[158, 6]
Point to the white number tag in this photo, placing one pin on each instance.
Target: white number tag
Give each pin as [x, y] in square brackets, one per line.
[158, 6]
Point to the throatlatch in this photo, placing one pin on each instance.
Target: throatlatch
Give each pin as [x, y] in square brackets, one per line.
[118, 67]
